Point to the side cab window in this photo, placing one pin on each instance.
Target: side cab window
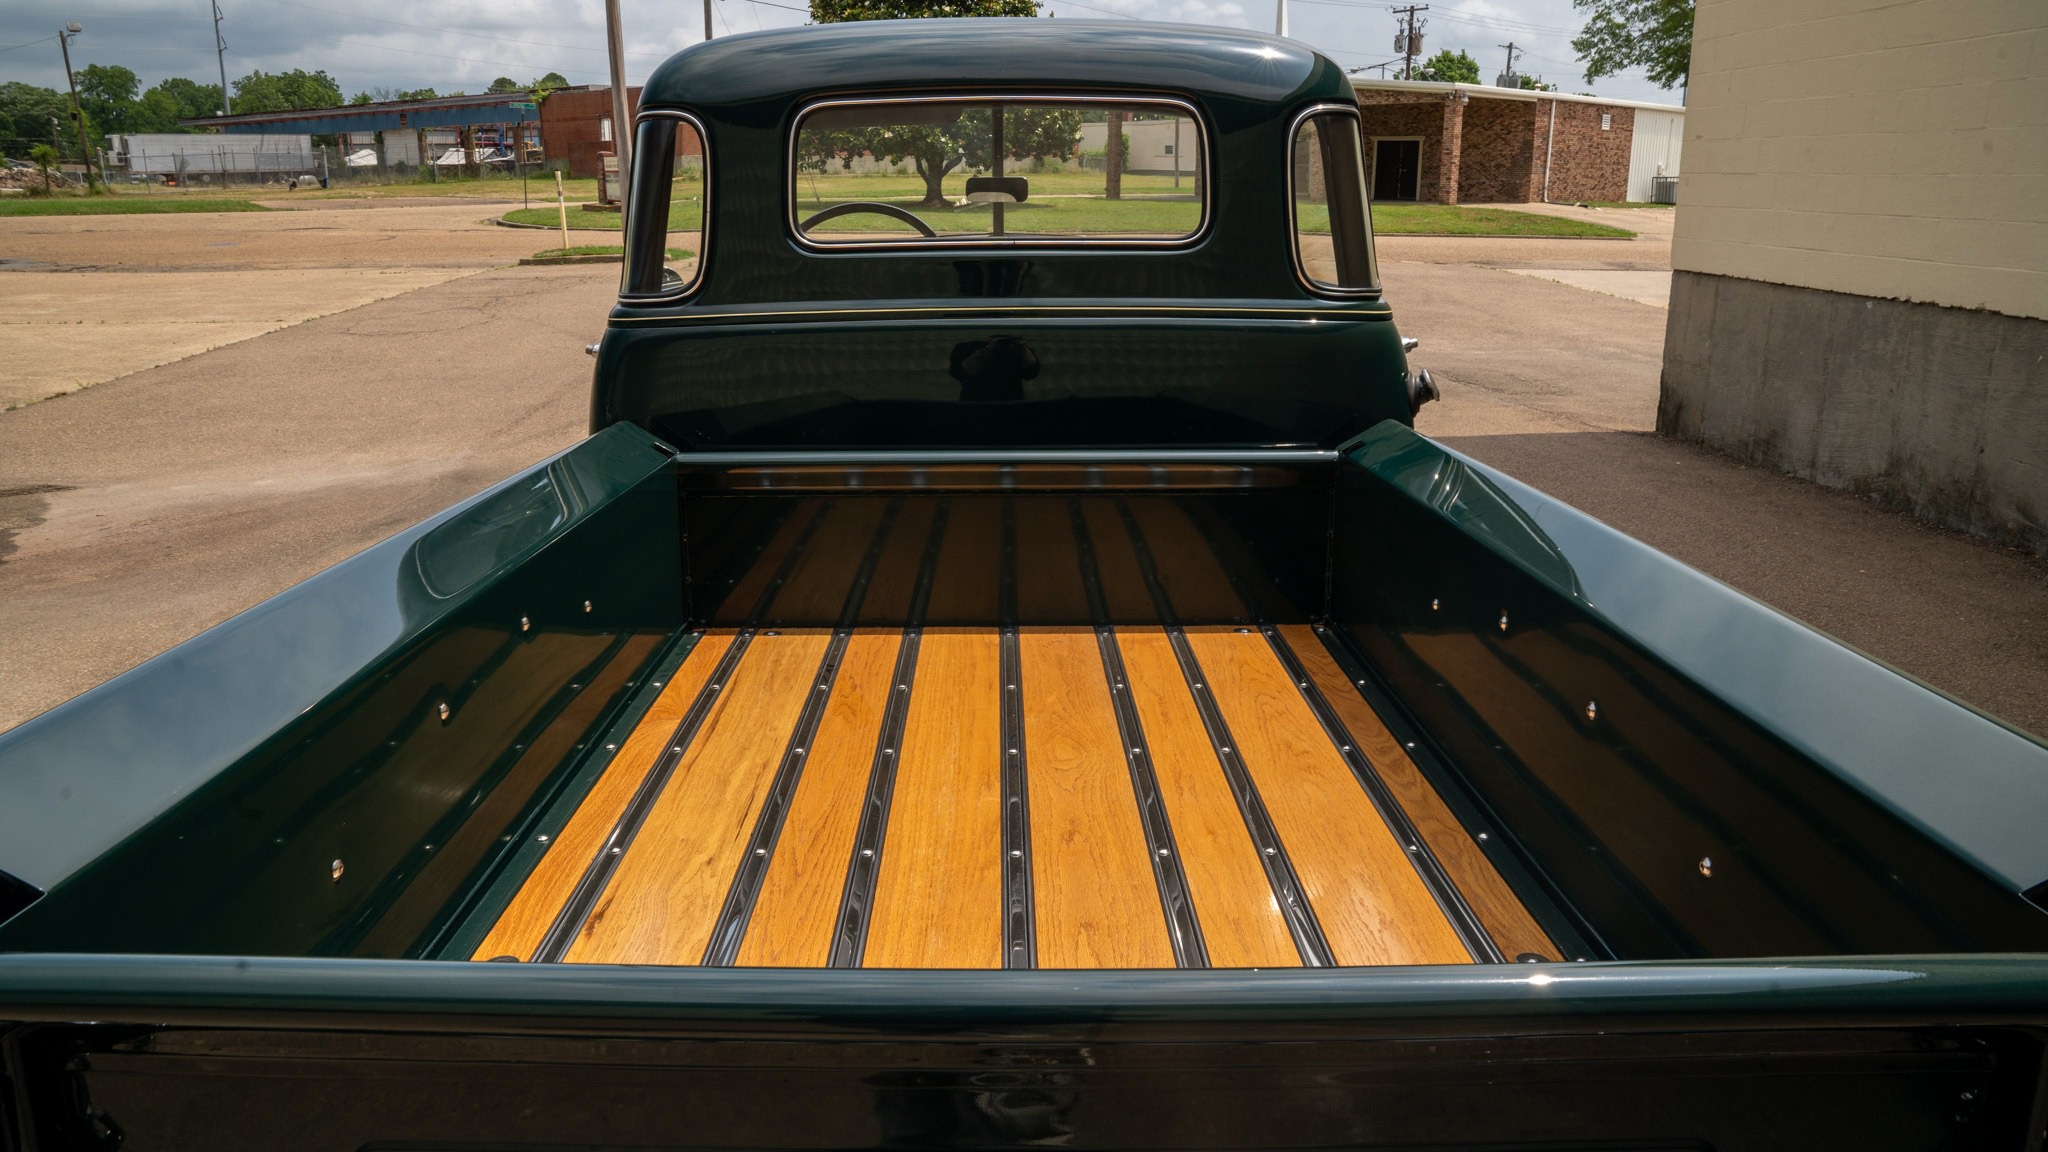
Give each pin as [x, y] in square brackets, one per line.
[671, 182]
[1332, 221]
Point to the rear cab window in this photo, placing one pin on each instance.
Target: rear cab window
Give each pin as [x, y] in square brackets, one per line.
[1333, 249]
[671, 181]
[998, 171]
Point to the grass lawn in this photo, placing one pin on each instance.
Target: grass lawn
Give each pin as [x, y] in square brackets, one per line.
[118, 205]
[1149, 212]
[1460, 220]
[683, 216]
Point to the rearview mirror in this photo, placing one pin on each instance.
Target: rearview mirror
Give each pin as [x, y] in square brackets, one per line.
[997, 189]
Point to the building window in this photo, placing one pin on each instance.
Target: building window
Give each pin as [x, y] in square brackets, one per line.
[1326, 177]
[665, 245]
[1606, 121]
[604, 129]
[991, 172]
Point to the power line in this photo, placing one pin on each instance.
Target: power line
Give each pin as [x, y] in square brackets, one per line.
[27, 43]
[772, 4]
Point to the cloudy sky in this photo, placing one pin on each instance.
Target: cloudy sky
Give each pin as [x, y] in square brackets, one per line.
[453, 45]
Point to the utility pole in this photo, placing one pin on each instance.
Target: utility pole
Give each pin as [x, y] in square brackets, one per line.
[1279, 18]
[1409, 40]
[220, 51]
[77, 115]
[622, 128]
[707, 19]
[1507, 77]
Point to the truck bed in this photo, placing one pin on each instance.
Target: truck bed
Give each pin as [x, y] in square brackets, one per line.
[1087, 793]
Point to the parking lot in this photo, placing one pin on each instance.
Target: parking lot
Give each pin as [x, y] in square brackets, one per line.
[242, 400]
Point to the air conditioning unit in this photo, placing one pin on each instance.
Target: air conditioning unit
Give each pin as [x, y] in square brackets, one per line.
[1663, 189]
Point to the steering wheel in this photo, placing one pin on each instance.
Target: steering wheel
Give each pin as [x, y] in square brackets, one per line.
[889, 210]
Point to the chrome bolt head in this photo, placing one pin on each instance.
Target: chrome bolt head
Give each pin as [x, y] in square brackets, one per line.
[1503, 621]
[335, 870]
[526, 624]
[1706, 865]
[1592, 709]
[445, 713]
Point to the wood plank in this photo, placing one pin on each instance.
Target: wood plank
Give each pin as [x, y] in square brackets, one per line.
[738, 605]
[526, 919]
[1123, 584]
[1241, 921]
[1503, 915]
[1093, 893]
[966, 588]
[895, 579]
[1188, 567]
[1049, 588]
[939, 899]
[798, 908]
[816, 592]
[1372, 906]
[664, 899]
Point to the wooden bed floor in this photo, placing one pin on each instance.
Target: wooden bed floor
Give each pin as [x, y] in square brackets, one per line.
[1076, 796]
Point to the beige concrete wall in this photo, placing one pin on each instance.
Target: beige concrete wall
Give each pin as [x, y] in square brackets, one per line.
[1886, 149]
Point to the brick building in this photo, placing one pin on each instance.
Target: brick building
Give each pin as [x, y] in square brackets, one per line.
[576, 128]
[1468, 143]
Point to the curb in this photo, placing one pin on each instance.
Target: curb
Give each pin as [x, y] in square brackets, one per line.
[504, 223]
[547, 260]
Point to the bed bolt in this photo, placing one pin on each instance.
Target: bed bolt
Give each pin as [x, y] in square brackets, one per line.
[1531, 958]
[611, 747]
[444, 712]
[1503, 621]
[1435, 605]
[1706, 865]
[1483, 836]
[1016, 853]
[1272, 851]
[1166, 852]
[867, 852]
[1592, 709]
[336, 869]
[525, 624]
[542, 838]
[586, 607]
[760, 851]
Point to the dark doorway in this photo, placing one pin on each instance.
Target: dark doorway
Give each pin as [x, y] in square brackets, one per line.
[1396, 169]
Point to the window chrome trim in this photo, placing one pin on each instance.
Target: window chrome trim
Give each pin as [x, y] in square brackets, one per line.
[626, 294]
[1203, 136]
[1314, 286]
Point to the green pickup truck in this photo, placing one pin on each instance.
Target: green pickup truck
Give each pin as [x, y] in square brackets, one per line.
[1004, 672]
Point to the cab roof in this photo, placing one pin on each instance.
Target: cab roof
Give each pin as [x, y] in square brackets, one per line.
[789, 65]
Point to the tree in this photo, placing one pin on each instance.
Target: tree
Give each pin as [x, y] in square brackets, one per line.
[293, 91]
[26, 115]
[194, 101]
[106, 94]
[361, 98]
[154, 112]
[834, 11]
[1448, 67]
[1535, 84]
[45, 156]
[505, 84]
[418, 94]
[937, 147]
[552, 80]
[1655, 35]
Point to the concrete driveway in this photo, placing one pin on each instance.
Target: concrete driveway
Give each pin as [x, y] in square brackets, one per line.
[91, 298]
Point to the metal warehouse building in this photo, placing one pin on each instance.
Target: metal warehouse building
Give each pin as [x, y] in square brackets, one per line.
[1469, 143]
